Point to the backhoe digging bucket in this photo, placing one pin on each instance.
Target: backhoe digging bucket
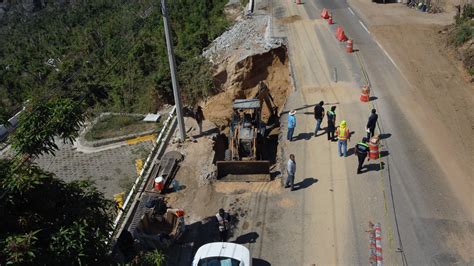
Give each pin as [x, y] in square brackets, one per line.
[243, 171]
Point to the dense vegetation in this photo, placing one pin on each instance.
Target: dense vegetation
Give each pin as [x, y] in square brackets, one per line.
[45, 221]
[461, 34]
[65, 61]
[464, 25]
[108, 50]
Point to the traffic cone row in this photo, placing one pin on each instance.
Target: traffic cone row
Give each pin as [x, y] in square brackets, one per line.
[341, 36]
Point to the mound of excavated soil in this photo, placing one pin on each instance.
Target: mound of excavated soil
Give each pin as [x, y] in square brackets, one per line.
[240, 81]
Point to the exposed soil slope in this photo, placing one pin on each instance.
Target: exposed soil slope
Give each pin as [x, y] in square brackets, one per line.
[241, 82]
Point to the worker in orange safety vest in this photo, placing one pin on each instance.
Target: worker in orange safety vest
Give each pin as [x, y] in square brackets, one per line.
[343, 136]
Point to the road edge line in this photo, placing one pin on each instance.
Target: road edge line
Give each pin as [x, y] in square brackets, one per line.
[352, 12]
[363, 26]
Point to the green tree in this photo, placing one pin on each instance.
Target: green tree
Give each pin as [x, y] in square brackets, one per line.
[46, 221]
[110, 47]
[42, 121]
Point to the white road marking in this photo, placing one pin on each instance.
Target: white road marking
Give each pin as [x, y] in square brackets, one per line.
[363, 26]
[389, 57]
[350, 10]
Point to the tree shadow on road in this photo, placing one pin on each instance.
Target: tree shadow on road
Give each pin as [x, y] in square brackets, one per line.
[305, 183]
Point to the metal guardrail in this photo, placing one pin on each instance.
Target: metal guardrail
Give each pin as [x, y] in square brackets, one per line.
[158, 150]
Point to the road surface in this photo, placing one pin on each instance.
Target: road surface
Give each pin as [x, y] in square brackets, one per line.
[419, 191]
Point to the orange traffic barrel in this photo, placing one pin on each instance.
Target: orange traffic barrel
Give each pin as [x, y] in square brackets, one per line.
[374, 147]
[349, 46]
[330, 22]
[364, 97]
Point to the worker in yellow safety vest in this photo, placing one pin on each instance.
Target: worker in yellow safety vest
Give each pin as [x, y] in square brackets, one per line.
[343, 136]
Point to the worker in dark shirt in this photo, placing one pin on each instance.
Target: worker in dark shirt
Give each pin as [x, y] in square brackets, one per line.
[331, 114]
[362, 150]
[318, 115]
[199, 116]
[235, 119]
[371, 124]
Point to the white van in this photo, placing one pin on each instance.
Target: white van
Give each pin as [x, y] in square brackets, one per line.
[222, 254]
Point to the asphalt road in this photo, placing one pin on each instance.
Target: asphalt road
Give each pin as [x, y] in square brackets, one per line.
[407, 191]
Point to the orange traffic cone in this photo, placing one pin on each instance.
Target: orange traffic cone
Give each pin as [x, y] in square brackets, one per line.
[325, 13]
[364, 97]
[338, 32]
[349, 47]
[330, 22]
[342, 37]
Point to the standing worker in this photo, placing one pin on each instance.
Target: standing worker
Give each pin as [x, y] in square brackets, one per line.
[291, 125]
[318, 115]
[224, 225]
[199, 116]
[361, 149]
[331, 123]
[291, 167]
[343, 136]
[371, 124]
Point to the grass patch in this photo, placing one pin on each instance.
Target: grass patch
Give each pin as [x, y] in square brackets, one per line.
[471, 71]
[464, 33]
[112, 126]
[464, 26]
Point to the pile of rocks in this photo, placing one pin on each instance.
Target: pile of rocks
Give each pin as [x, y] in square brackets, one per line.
[246, 38]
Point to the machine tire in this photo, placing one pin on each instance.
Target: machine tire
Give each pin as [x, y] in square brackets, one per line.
[227, 155]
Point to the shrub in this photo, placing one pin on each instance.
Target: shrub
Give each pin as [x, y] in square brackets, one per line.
[463, 34]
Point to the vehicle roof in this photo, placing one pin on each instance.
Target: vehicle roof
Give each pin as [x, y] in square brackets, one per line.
[247, 104]
[223, 249]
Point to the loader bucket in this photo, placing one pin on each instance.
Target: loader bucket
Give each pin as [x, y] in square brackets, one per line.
[245, 171]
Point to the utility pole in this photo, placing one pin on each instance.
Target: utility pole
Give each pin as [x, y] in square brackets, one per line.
[174, 81]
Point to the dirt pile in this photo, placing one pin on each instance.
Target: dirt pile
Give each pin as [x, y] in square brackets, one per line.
[240, 81]
[243, 56]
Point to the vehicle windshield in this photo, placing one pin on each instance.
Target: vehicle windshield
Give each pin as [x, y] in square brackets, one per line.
[218, 261]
